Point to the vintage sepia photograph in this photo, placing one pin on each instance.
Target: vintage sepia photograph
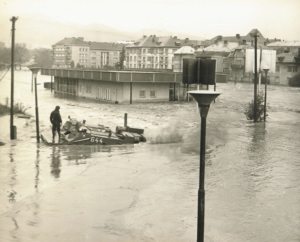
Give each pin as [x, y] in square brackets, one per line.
[149, 121]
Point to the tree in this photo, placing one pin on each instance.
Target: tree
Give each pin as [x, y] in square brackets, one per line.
[5, 55]
[43, 57]
[120, 64]
[22, 54]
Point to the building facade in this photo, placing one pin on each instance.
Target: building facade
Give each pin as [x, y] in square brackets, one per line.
[71, 52]
[104, 55]
[154, 53]
[288, 67]
[75, 52]
[117, 86]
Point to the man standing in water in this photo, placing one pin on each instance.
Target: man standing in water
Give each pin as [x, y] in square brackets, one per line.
[56, 121]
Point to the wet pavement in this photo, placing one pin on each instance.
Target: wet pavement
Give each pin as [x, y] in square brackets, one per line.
[148, 192]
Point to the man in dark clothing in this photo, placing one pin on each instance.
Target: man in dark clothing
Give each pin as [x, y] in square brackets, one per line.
[56, 121]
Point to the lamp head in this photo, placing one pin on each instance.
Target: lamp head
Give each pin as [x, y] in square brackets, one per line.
[204, 97]
[35, 70]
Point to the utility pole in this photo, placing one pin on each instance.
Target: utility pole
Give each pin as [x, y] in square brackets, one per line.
[12, 127]
[255, 78]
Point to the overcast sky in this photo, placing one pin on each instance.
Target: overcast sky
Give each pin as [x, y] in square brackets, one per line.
[43, 22]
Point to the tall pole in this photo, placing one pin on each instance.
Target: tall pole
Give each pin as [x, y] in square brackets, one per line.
[32, 82]
[265, 102]
[201, 191]
[12, 128]
[51, 86]
[255, 78]
[130, 94]
[204, 99]
[125, 120]
[36, 111]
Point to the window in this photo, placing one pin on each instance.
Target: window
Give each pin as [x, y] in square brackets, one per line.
[152, 94]
[277, 68]
[142, 93]
[88, 89]
[292, 69]
[108, 94]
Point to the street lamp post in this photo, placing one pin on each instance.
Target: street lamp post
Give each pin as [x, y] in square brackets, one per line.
[13, 128]
[35, 71]
[265, 102]
[255, 34]
[204, 99]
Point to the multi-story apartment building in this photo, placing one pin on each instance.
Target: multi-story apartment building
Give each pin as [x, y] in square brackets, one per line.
[103, 54]
[71, 52]
[75, 52]
[152, 52]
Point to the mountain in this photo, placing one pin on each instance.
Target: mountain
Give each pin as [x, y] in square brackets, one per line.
[45, 33]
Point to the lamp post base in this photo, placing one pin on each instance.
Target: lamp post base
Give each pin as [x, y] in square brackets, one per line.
[201, 210]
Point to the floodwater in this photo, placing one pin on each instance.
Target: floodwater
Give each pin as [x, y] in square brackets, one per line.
[148, 192]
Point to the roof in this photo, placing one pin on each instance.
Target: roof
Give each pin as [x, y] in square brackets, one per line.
[164, 41]
[239, 38]
[185, 50]
[285, 44]
[286, 57]
[72, 41]
[105, 46]
[221, 47]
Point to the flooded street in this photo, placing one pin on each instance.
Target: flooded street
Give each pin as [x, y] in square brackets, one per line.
[148, 191]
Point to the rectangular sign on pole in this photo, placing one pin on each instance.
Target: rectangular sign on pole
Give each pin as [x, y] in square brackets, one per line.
[199, 71]
[189, 71]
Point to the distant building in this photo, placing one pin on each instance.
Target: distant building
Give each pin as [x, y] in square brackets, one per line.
[288, 66]
[185, 52]
[288, 60]
[230, 54]
[71, 52]
[75, 52]
[285, 46]
[240, 63]
[240, 39]
[104, 55]
[153, 52]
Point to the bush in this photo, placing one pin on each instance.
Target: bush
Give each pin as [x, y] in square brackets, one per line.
[249, 111]
[18, 108]
[295, 81]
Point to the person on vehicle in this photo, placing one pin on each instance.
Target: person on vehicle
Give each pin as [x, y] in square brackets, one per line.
[82, 127]
[56, 121]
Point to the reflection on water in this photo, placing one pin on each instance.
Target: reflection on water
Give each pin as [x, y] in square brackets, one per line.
[37, 167]
[13, 178]
[55, 162]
